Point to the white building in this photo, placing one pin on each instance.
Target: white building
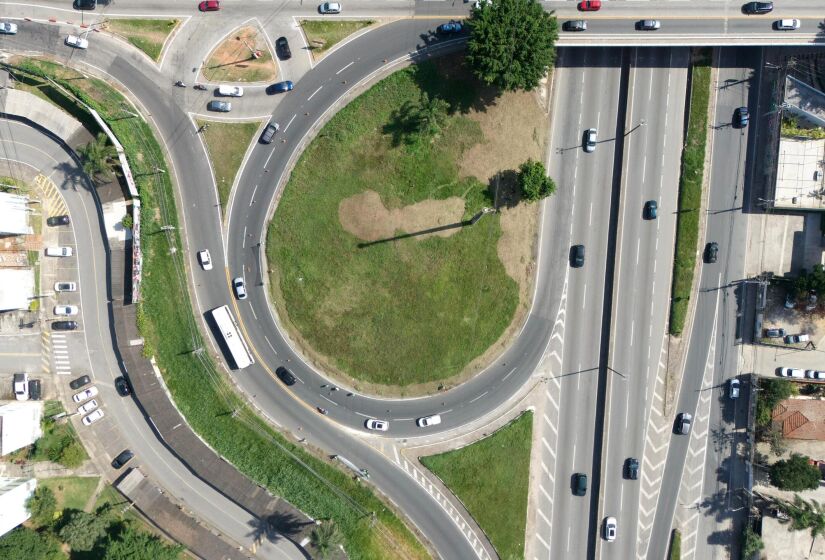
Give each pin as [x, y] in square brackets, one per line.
[18, 288]
[13, 495]
[19, 425]
[14, 214]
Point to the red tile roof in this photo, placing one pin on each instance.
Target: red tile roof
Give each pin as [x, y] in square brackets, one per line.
[801, 418]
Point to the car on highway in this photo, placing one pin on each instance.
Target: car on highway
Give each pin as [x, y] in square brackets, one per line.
[774, 333]
[79, 382]
[20, 382]
[648, 25]
[631, 468]
[610, 529]
[589, 141]
[65, 287]
[122, 386]
[451, 27]
[711, 252]
[285, 376]
[62, 220]
[757, 7]
[330, 8]
[577, 256]
[814, 374]
[579, 484]
[651, 210]
[8, 28]
[66, 310]
[35, 390]
[64, 325]
[787, 24]
[590, 5]
[230, 91]
[123, 458]
[84, 4]
[741, 117]
[797, 338]
[375, 424]
[205, 259]
[240, 287]
[59, 251]
[87, 407]
[85, 394]
[282, 48]
[574, 25]
[683, 423]
[791, 372]
[77, 42]
[280, 87]
[733, 389]
[93, 417]
[269, 133]
[209, 6]
[219, 106]
[428, 421]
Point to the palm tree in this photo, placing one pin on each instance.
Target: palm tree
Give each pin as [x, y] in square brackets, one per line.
[325, 538]
[806, 515]
[97, 156]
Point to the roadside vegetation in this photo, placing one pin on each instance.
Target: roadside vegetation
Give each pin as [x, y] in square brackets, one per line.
[58, 444]
[370, 528]
[322, 35]
[675, 545]
[751, 543]
[690, 191]
[795, 473]
[771, 392]
[148, 35]
[243, 56]
[791, 128]
[491, 477]
[226, 143]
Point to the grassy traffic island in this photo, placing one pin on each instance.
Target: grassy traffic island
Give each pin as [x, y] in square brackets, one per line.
[322, 35]
[148, 35]
[369, 267]
[243, 56]
[491, 479]
[227, 143]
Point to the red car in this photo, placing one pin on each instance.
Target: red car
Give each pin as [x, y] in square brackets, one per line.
[590, 5]
[209, 6]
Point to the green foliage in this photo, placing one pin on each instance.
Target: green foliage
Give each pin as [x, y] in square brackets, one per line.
[795, 474]
[690, 196]
[675, 545]
[534, 182]
[26, 544]
[805, 515]
[326, 537]
[72, 455]
[791, 128]
[147, 35]
[512, 43]
[808, 280]
[751, 542]
[127, 221]
[97, 157]
[82, 530]
[42, 505]
[131, 544]
[771, 392]
[490, 477]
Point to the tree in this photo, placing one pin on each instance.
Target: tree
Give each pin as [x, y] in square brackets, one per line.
[325, 538]
[534, 182]
[72, 455]
[127, 221]
[774, 438]
[431, 114]
[97, 156]
[805, 515]
[751, 542]
[130, 544]
[42, 505]
[83, 530]
[795, 474]
[511, 43]
[27, 544]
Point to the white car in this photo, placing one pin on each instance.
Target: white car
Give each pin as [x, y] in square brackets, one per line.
[330, 8]
[88, 407]
[380, 425]
[65, 287]
[205, 259]
[65, 310]
[59, 251]
[240, 287]
[610, 529]
[791, 372]
[21, 386]
[85, 394]
[7, 28]
[427, 421]
[93, 417]
[230, 91]
[77, 42]
[814, 374]
[788, 24]
[590, 140]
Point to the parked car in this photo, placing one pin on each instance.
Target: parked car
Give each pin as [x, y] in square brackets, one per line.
[797, 338]
[579, 484]
[683, 423]
[240, 287]
[64, 325]
[59, 251]
[286, 376]
[205, 259]
[791, 372]
[631, 468]
[590, 140]
[122, 386]
[85, 394]
[711, 252]
[35, 390]
[741, 117]
[209, 6]
[66, 310]
[790, 300]
[610, 529]
[787, 24]
[93, 417]
[87, 407]
[269, 133]
[330, 8]
[428, 421]
[219, 106]
[65, 287]
[62, 220]
[651, 210]
[123, 458]
[282, 48]
[757, 7]
[8, 28]
[77, 42]
[84, 4]
[79, 382]
[574, 25]
[280, 87]
[375, 424]
[648, 25]
[814, 374]
[590, 5]
[577, 256]
[230, 91]
[451, 27]
[733, 388]
[20, 382]
[774, 333]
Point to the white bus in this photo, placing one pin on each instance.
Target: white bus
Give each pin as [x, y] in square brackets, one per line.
[234, 342]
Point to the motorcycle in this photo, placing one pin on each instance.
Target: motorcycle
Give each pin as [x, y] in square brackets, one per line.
[200, 87]
[323, 411]
[180, 83]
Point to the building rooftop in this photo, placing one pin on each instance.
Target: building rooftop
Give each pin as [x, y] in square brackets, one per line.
[801, 418]
[18, 288]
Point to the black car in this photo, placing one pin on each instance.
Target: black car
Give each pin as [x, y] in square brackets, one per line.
[79, 382]
[84, 4]
[574, 25]
[269, 133]
[741, 117]
[577, 256]
[651, 210]
[58, 220]
[282, 48]
[285, 376]
[711, 250]
[64, 325]
[579, 484]
[631, 468]
[757, 8]
[122, 387]
[35, 392]
[122, 459]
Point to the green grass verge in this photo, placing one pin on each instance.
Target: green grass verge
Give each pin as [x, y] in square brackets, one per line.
[148, 35]
[690, 195]
[402, 312]
[675, 545]
[203, 396]
[491, 478]
[322, 35]
[71, 492]
[227, 143]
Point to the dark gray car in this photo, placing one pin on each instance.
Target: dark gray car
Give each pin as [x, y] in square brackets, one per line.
[269, 133]
[220, 106]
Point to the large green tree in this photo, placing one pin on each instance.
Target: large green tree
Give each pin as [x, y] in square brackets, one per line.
[83, 530]
[512, 43]
[26, 544]
[42, 506]
[325, 538]
[97, 157]
[534, 182]
[130, 544]
[795, 474]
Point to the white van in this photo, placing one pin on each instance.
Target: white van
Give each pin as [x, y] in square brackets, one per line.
[59, 251]
[230, 91]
